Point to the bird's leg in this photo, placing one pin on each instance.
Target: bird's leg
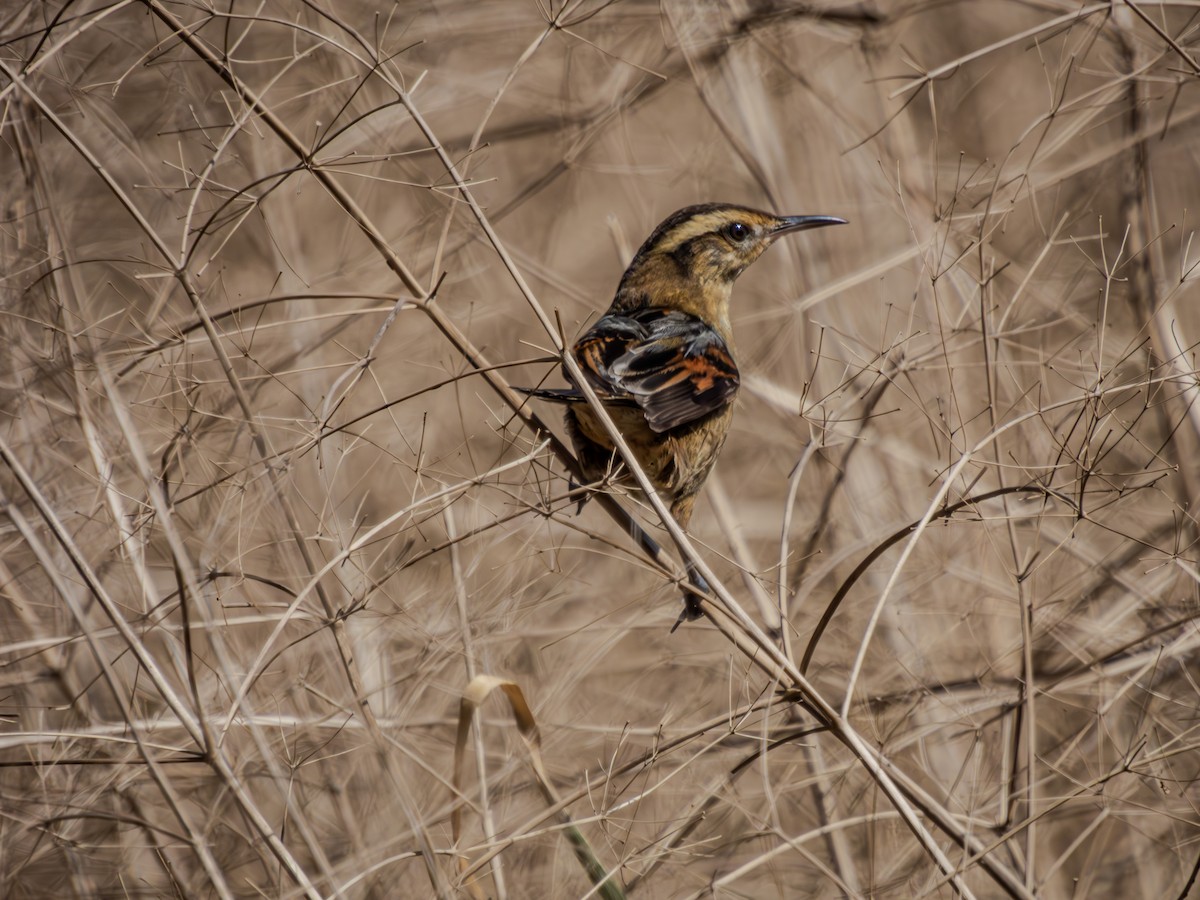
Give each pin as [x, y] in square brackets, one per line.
[691, 602]
[681, 509]
[584, 497]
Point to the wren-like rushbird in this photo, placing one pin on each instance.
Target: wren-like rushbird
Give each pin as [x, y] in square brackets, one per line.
[661, 357]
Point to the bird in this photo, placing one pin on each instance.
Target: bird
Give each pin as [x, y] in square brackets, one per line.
[661, 358]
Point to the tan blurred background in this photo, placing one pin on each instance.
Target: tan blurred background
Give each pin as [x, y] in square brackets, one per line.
[224, 383]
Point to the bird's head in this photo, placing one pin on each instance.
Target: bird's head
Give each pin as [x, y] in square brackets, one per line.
[701, 250]
[717, 241]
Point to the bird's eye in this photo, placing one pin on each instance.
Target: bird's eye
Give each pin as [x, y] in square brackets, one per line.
[738, 231]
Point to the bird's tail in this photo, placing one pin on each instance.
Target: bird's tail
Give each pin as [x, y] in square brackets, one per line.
[554, 395]
[572, 395]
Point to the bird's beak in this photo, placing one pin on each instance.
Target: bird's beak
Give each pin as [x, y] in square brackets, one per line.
[803, 223]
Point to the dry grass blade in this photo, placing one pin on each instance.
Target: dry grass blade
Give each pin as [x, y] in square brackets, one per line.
[475, 693]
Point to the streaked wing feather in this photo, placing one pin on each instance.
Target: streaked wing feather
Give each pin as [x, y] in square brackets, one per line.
[674, 365]
[606, 342]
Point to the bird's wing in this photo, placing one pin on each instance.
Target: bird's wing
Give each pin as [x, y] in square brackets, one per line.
[676, 367]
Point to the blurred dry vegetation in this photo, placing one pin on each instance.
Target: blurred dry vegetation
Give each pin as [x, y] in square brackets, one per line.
[271, 529]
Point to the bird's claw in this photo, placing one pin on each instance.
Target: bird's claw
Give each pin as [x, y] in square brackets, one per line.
[693, 606]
